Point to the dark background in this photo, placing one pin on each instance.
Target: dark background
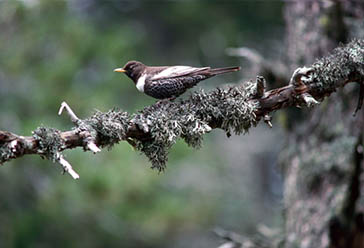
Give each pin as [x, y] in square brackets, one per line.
[54, 51]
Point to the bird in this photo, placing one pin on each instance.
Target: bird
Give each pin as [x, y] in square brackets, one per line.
[168, 82]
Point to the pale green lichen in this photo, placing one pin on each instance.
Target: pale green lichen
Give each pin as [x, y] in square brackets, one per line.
[5, 153]
[49, 142]
[231, 109]
[332, 71]
[108, 128]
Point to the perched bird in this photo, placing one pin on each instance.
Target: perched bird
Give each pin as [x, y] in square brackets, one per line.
[163, 82]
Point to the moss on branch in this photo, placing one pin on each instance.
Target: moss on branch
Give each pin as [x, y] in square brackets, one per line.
[189, 119]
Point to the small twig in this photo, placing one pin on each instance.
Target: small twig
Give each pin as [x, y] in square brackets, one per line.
[309, 100]
[260, 85]
[13, 145]
[89, 140]
[67, 167]
[300, 74]
[93, 147]
[73, 116]
[300, 77]
[267, 119]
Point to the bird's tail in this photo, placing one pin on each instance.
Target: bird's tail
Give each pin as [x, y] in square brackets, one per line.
[217, 71]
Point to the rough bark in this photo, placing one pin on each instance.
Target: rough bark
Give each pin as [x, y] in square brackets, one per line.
[323, 161]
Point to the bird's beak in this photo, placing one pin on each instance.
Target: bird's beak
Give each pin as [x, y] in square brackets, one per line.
[119, 70]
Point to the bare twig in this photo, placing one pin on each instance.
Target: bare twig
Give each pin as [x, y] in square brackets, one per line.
[89, 141]
[93, 147]
[67, 167]
[73, 116]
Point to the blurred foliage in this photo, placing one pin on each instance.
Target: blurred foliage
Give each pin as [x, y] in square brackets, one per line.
[66, 50]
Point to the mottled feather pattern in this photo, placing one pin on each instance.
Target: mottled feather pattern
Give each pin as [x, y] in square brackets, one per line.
[171, 87]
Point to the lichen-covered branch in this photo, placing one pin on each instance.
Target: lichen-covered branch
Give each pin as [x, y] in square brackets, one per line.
[156, 128]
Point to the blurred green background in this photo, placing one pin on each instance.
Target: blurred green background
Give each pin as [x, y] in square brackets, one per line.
[54, 51]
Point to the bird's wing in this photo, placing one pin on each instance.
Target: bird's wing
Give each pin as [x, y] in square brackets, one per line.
[178, 71]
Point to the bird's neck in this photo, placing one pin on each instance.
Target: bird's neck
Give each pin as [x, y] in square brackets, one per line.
[136, 74]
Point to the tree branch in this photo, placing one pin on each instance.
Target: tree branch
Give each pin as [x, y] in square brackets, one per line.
[157, 127]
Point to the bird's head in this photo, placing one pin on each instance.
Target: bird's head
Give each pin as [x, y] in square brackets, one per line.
[132, 69]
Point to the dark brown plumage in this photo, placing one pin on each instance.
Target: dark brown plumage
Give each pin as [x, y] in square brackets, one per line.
[168, 81]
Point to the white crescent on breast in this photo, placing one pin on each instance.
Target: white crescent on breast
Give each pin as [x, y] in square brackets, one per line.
[140, 83]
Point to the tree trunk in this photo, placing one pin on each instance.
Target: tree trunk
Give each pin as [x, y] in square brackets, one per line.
[323, 160]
